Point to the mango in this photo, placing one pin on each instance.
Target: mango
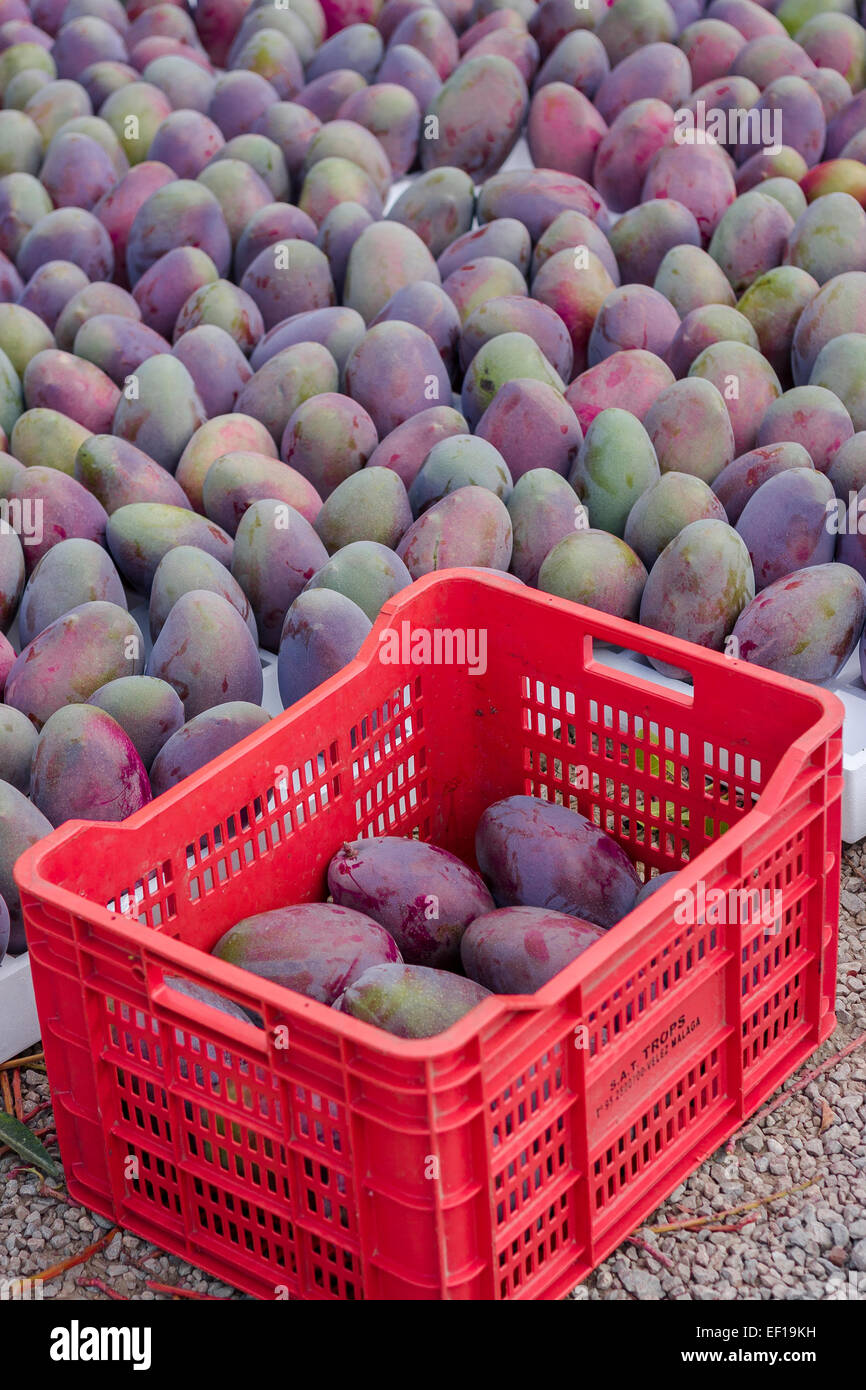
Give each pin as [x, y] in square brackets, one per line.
[616, 463]
[438, 207]
[326, 439]
[338, 329]
[396, 372]
[149, 711]
[516, 950]
[642, 237]
[410, 1001]
[567, 232]
[470, 526]
[237, 479]
[574, 283]
[53, 507]
[225, 306]
[736, 483]
[289, 277]
[162, 413]
[187, 567]
[809, 415]
[86, 768]
[535, 853]
[12, 574]
[501, 359]
[370, 505]
[22, 335]
[17, 741]
[785, 524]
[519, 314]
[405, 448]
[666, 508]
[544, 510]
[839, 369]
[630, 380]
[218, 368]
[21, 826]
[462, 461]
[773, 304]
[423, 895]
[94, 299]
[268, 225]
[323, 631]
[708, 324]
[162, 290]
[317, 949]
[46, 437]
[596, 569]
[71, 573]
[206, 652]
[745, 380]
[286, 380]
[73, 657]
[201, 739]
[367, 573]
[141, 533]
[276, 554]
[532, 426]
[50, 288]
[698, 587]
[689, 278]
[181, 213]
[805, 625]
[536, 196]
[219, 435]
[117, 473]
[690, 429]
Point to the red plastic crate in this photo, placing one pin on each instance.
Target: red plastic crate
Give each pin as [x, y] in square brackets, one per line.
[323, 1158]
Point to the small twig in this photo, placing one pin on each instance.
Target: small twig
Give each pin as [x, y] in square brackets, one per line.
[16, 1095]
[177, 1292]
[732, 1226]
[94, 1283]
[37, 1110]
[6, 1091]
[656, 1254]
[858, 872]
[54, 1271]
[46, 1191]
[140, 1264]
[35, 1057]
[701, 1221]
[792, 1090]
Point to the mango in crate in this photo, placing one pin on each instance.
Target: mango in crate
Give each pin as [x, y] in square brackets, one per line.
[317, 949]
[410, 1001]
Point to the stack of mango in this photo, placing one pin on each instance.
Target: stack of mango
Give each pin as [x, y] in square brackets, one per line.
[248, 382]
[412, 938]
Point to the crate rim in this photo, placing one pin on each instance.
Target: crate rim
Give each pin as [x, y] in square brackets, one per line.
[599, 957]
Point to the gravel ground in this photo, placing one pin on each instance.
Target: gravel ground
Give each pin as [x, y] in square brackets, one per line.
[808, 1245]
